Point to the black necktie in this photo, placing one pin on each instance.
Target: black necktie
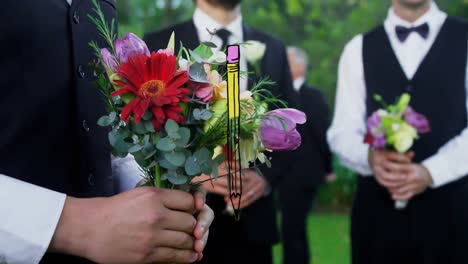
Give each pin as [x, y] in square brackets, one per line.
[223, 34]
[404, 32]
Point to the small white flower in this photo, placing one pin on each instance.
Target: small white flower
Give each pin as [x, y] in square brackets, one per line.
[395, 127]
[218, 57]
[382, 112]
[184, 64]
[254, 51]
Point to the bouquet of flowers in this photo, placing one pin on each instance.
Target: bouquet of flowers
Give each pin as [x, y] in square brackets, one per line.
[395, 127]
[170, 111]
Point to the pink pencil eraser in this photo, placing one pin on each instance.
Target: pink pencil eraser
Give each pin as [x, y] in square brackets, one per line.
[233, 53]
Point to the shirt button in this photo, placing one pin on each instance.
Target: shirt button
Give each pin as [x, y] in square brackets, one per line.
[81, 72]
[85, 126]
[76, 18]
[91, 179]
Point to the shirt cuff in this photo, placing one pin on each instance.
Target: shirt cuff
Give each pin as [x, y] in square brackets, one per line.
[30, 215]
[438, 169]
[126, 172]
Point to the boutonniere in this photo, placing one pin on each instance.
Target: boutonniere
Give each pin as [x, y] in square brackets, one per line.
[254, 51]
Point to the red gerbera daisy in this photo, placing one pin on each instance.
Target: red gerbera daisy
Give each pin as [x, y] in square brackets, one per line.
[157, 85]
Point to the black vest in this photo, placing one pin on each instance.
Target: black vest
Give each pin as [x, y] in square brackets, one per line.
[437, 89]
[48, 104]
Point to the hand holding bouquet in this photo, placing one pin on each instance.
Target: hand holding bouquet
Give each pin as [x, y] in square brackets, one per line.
[395, 127]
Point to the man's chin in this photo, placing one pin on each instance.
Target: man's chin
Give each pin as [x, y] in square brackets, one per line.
[226, 4]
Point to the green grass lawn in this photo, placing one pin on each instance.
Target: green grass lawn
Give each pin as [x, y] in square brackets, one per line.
[328, 239]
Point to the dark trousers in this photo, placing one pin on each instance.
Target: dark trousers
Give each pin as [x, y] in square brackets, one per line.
[433, 229]
[228, 244]
[295, 205]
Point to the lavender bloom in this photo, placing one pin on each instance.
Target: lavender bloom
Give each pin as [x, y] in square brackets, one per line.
[418, 121]
[108, 60]
[278, 129]
[129, 46]
[379, 142]
[374, 123]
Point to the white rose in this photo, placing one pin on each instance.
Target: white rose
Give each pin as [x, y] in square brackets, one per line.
[254, 51]
[404, 138]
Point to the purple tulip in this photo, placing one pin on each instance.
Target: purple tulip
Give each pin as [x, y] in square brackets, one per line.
[129, 46]
[418, 121]
[278, 129]
[108, 60]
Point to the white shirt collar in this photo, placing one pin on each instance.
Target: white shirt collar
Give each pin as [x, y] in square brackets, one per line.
[203, 22]
[69, 2]
[298, 83]
[434, 17]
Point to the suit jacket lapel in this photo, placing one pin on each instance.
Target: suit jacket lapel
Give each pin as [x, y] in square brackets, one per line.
[188, 36]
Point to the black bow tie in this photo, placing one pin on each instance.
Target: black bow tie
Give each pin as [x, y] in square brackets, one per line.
[404, 32]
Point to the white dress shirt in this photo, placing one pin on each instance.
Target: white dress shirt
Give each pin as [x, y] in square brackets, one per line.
[204, 23]
[348, 128]
[30, 214]
[297, 83]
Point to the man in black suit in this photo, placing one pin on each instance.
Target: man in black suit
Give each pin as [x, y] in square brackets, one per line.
[311, 163]
[57, 195]
[249, 240]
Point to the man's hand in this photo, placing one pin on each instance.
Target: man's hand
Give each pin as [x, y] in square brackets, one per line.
[204, 219]
[144, 225]
[254, 187]
[417, 181]
[390, 168]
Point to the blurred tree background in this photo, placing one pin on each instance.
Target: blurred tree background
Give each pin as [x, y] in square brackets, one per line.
[321, 27]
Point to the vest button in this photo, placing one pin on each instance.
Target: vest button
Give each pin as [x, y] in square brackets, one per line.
[81, 72]
[91, 179]
[76, 18]
[409, 88]
[85, 126]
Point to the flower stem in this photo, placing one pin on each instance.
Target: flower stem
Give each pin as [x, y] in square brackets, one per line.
[157, 176]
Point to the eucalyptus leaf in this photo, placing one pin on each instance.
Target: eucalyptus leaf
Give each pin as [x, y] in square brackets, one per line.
[176, 178]
[112, 116]
[184, 137]
[215, 172]
[151, 154]
[197, 73]
[205, 114]
[171, 126]
[197, 114]
[117, 140]
[166, 144]
[148, 115]
[203, 154]
[192, 166]
[135, 148]
[104, 121]
[148, 126]
[145, 140]
[176, 158]
[138, 128]
[167, 165]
